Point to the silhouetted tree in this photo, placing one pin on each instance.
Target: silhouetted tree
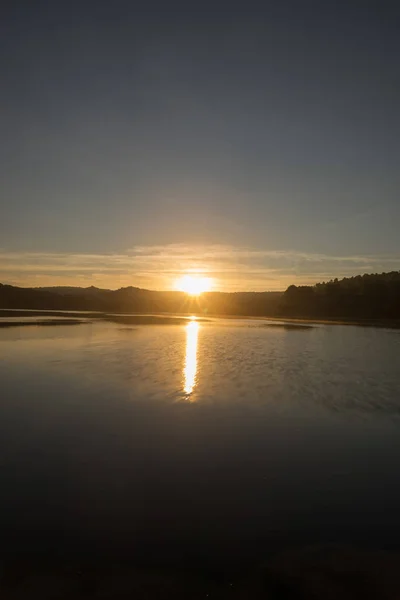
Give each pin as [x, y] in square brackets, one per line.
[362, 297]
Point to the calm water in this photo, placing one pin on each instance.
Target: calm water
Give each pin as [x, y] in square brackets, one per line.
[222, 439]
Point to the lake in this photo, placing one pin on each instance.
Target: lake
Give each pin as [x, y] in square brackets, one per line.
[207, 441]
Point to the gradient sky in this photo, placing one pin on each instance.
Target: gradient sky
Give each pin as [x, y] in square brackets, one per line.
[258, 142]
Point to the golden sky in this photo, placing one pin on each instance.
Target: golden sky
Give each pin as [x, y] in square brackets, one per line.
[159, 267]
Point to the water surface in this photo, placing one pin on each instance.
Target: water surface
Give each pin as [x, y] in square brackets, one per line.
[198, 441]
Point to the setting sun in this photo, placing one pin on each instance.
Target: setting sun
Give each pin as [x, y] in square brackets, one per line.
[194, 285]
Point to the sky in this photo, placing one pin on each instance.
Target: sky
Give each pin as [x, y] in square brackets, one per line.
[257, 143]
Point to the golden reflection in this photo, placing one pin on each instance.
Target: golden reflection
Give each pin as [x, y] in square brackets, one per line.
[190, 369]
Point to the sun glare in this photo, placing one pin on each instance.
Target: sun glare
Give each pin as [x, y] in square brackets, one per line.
[194, 285]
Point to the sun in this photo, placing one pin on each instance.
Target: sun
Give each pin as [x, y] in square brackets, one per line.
[194, 285]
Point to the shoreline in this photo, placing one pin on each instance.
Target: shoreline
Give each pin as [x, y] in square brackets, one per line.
[76, 317]
[379, 323]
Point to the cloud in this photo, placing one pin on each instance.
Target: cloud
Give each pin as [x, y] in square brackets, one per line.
[157, 267]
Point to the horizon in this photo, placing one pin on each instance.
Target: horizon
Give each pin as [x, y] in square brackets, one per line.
[196, 292]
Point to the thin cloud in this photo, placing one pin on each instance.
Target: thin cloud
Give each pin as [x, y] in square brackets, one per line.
[157, 267]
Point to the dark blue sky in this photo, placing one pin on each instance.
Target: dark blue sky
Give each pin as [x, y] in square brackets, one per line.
[269, 127]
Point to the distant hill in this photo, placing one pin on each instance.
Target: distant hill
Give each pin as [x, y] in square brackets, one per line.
[73, 291]
[132, 299]
[364, 297]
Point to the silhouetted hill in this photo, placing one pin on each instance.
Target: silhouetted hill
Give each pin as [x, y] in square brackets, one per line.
[133, 299]
[73, 291]
[361, 297]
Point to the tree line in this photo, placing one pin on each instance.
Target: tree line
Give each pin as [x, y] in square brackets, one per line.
[370, 296]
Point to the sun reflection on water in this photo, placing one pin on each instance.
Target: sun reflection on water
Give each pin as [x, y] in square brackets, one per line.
[190, 368]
